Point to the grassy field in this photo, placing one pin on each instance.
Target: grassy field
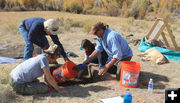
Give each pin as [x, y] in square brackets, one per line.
[71, 37]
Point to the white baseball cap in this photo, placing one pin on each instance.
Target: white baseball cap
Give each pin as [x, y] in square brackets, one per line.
[52, 26]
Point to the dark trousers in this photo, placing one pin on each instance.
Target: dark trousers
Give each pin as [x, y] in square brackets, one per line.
[114, 69]
[119, 69]
[29, 88]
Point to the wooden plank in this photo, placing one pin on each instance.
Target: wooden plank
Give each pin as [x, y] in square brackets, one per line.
[159, 32]
[160, 19]
[171, 36]
[164, 38]
[166, 33]
[152, 28]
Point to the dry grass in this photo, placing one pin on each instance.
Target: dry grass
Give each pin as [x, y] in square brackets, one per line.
[6, 92]
[71, 39]
[127, 25]
[5, 76]
[18, 16]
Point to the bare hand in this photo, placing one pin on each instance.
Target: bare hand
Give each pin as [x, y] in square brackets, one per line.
[102, 71]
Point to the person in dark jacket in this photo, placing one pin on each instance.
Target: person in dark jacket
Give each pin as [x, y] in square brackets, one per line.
[34, 31]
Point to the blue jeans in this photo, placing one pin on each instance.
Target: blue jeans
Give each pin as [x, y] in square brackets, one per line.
[28, 49]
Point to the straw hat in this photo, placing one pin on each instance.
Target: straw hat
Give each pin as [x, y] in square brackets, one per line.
[96, 26]
[53, 49]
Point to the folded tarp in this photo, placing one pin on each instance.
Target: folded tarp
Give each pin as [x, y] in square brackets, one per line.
[8, 60]
[169, 54]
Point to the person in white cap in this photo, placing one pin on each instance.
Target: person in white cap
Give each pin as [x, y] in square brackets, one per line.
[34, 31]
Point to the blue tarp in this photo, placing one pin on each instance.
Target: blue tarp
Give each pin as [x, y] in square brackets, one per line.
[169, 54]
[8, 60]
[13, 60]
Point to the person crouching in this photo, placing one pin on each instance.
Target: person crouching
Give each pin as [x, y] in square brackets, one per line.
[24, 76]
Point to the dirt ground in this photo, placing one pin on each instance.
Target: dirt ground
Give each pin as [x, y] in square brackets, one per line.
[108, 87]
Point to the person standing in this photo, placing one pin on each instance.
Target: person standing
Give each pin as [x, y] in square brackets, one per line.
[24, 76]
[115, 46]
[34, 30]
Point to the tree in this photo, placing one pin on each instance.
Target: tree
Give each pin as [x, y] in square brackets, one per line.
[171, 7]
[29, 3]
[2, 4]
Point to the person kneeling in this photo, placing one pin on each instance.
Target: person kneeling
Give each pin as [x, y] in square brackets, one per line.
[24, 76]
[113, 44]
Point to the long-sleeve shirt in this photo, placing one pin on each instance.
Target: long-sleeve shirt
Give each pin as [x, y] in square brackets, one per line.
[114, 45]
[100, 59]
[35, 28]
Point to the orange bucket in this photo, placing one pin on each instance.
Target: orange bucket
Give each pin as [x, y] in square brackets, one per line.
[130, 71]
[64, 72]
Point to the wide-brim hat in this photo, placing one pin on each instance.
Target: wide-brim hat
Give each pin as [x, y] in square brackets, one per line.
[53, 49]
[96, 26]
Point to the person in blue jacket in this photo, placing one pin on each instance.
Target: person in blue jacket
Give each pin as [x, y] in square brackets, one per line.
[113, 44]
[34, 31]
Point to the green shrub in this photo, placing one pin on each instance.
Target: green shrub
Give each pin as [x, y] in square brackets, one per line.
[126, 27]
[142, 12]
[97, 11]
[7, 94]
[87, 27]
[68, 21]
[150, 8]
[130, 20]
[61, 21]
[4, 76]
[142, 24]
[72, 6]
[125, 13]
[113, 12]
[88, 5]
[77, 23]
[137, 9]
[68, 24]
[12, 28]
[86, 8]
[67, 27]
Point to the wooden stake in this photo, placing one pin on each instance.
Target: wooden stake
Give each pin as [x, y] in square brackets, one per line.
[164, 38]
